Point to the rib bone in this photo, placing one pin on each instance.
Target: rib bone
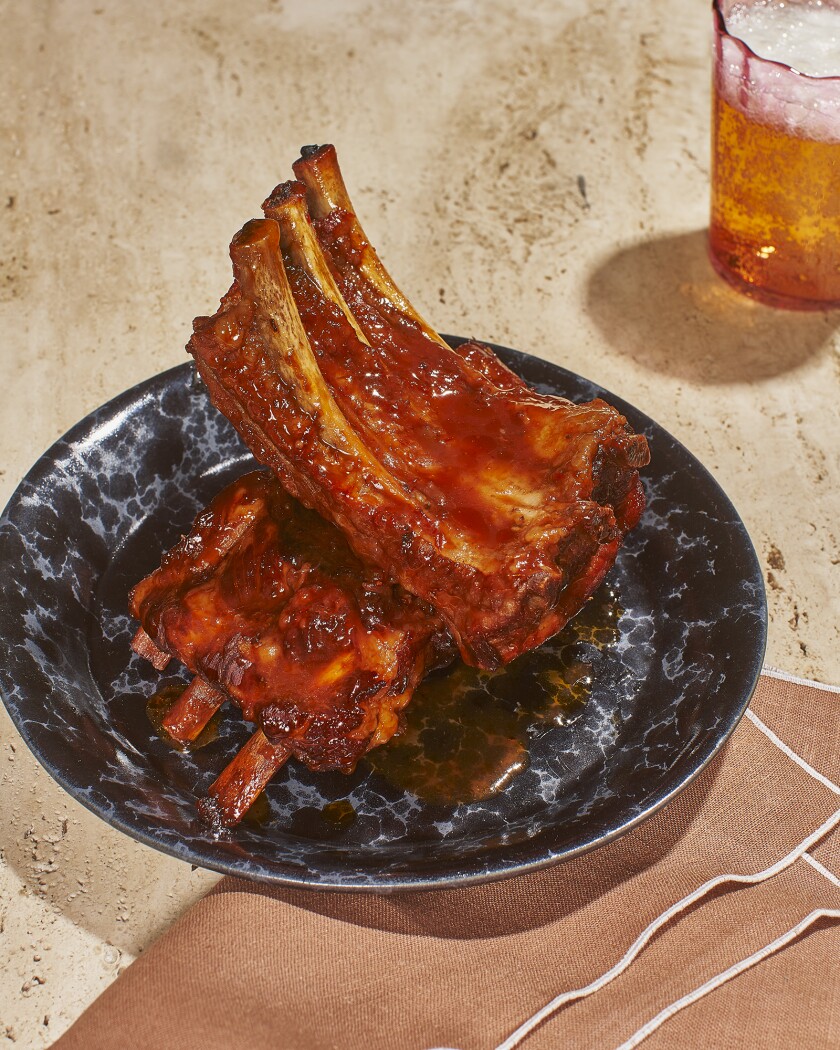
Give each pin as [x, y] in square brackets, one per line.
[143, 645]
[318, 170]
[287, 206]
[239, 784]
[360, 272]
[189, 715]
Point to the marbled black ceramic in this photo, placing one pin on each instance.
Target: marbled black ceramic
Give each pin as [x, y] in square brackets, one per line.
[93, 516]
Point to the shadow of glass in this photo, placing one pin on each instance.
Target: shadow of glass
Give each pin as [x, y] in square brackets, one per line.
[661, 303]
[502, 909]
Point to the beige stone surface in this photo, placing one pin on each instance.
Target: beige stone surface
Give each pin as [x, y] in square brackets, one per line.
[533, 174]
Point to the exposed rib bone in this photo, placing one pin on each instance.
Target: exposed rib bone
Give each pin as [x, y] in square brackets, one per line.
[376, 301]
[261, 278]
[143, 645]
[318, 170]
[287, 205]
[338, 225]
[193, 709]
[236, 788]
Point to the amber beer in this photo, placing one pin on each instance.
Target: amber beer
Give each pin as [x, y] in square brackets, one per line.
[775, 223]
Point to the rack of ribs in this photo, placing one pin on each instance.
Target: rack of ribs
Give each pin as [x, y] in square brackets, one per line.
[499, 507]
[265, 603]
[424, 501]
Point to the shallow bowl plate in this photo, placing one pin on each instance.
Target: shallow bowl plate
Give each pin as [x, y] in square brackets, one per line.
[96, 511]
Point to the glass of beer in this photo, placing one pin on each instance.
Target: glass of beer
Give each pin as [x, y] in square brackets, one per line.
[775, 223]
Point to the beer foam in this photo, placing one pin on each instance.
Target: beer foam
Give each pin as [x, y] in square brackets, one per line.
[805, 36]
[778, 95]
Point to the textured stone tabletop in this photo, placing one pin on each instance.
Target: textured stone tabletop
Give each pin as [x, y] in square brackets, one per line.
[537, 176]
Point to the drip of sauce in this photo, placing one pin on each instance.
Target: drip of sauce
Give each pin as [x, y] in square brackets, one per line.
[467, 732]
[339, 813]
[326, 823]
[259, 813]
[157, 708]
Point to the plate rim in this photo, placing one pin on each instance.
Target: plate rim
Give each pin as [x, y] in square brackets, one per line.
[147, 389]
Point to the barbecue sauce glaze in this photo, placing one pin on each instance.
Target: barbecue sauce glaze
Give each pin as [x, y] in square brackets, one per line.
[467, 733]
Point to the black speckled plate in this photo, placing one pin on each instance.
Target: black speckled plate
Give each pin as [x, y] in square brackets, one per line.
[94, 514]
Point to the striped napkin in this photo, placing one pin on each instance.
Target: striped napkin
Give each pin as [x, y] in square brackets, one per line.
[714, 924]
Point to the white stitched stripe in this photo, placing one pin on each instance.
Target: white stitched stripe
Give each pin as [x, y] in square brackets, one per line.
[821, 868]
[774, 672]
[645, 936]
[791, 754]
[528, 1026]
[727, 975]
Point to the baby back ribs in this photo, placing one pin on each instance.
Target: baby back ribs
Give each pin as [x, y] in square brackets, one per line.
[390, 323]
[500, 507]
[265, 602]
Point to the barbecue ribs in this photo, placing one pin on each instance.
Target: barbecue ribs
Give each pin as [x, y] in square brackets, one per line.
[266, 604]
[500, 507]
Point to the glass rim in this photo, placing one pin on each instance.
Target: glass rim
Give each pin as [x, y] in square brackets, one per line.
[721, 30]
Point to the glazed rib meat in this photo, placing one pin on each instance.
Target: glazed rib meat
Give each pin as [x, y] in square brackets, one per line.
[500, 507]
[266, 604]
[390, 324]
